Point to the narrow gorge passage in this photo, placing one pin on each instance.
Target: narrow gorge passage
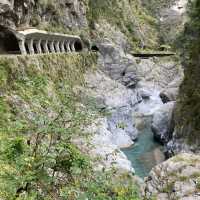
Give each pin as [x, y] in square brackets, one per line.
[145, 153]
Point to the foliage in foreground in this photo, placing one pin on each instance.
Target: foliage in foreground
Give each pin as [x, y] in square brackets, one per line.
[39, 114]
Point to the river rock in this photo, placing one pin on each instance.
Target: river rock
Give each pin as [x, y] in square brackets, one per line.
[162, 124]
[104, 147]
[176, 178]
[169, 94]
[121, 121]
[171, 91]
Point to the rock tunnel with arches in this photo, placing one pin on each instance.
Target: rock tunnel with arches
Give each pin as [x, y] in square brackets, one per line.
[33, 41]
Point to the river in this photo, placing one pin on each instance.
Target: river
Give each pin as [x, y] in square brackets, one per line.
[145, 153]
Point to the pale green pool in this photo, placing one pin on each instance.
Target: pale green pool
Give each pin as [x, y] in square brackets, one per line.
[145, 153]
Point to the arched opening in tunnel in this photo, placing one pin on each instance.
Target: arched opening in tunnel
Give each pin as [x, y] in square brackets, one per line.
[49, 47]
[78, 46]
[54, 46]
[42, 47]
[94, 48]
[8, 42]
[35, 48]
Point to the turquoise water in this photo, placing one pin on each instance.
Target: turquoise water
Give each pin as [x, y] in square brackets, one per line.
[145, 153]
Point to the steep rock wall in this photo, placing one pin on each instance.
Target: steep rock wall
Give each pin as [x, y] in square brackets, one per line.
[187, 132]
[65, 14]
[170, 14]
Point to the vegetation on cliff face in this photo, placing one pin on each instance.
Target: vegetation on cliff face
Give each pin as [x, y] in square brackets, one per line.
[188, 108]
[153, 6]
[40, 111]
[129, 17]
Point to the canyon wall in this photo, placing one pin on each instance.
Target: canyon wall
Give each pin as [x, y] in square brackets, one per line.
[186, 135]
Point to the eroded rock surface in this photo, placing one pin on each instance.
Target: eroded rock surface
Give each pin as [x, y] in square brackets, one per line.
[162, 124]
[170, 92]
[118, 102]
[176, 178]
[115, 128]
[137, 72]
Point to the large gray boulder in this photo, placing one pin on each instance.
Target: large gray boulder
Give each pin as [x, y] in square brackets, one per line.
[169, 94]
[162, 124]
[176, 178]
[171, 91]
[118, 65]
[121, 121]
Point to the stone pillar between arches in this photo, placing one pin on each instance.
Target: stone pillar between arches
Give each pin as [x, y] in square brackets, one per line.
[22, 47]
[67, 47]
[72, 46]
[57, 46]
[38, 46]
[45, 46]
[30, 46]
[52, 49]
[62, 46]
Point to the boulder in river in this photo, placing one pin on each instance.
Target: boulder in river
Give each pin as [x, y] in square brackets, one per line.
[170, 93]
[162, 124]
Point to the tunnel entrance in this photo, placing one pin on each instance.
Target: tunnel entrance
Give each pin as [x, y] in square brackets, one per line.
[94, 48]
[8, 42]
[78, 46]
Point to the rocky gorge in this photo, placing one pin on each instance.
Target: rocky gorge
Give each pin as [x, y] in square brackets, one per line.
[110, 106]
